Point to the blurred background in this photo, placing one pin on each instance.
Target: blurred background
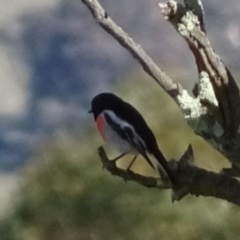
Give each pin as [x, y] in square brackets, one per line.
[54, 58]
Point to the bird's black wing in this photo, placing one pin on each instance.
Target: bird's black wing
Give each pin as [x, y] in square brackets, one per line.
[115, 126]
[137, 143]
[131, 115]
[128, 134]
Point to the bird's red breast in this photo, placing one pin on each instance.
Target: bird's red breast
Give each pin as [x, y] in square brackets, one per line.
[100, 125]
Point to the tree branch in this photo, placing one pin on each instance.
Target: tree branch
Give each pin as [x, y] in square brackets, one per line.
[217, 89]
[135, 49]
[226, 106]
[214, 113]
[190, 179]
[192, 107]
[130, 175]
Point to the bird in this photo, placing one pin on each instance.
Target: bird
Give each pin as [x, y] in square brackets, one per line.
[122, 126]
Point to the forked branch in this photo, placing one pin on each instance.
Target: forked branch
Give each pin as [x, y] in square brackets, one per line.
[188, 21]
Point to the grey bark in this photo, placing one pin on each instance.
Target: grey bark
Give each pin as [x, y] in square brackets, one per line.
[213, 114]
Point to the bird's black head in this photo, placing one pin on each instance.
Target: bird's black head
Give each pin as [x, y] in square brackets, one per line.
[103, 101]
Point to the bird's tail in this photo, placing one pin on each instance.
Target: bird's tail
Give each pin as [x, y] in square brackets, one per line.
[163, 163]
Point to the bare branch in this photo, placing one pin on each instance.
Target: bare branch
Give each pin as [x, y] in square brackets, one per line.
[186, 21]
[216, 88]
[190, 179]
[225, 86]
[129, 175]
[134, 49]
[191, 107]
[214, 113]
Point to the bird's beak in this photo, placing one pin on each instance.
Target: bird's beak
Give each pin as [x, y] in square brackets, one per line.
[90, 111]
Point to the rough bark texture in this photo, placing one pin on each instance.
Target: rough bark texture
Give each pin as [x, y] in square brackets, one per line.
[214, 112]
[190, 179]
[217, 89]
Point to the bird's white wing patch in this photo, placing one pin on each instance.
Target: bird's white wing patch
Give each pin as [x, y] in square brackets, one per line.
[124, 130]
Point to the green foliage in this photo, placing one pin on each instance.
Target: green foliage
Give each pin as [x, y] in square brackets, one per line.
[65, 194]
[70, 198]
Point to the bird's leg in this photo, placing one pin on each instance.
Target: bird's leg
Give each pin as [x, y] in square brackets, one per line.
[117, 158]
[132, 162]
